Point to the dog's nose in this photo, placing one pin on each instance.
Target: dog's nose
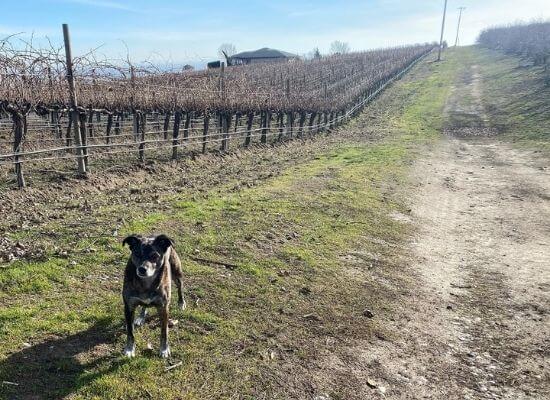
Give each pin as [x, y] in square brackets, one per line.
[142, 271]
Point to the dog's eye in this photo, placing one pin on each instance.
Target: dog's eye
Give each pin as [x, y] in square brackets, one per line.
[154, 257]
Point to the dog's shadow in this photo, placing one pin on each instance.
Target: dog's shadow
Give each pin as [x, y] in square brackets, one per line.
[57, 367]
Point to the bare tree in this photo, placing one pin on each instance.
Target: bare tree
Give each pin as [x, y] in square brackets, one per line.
[338, 47]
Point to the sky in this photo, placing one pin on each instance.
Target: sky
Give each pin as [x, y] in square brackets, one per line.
[178, 31]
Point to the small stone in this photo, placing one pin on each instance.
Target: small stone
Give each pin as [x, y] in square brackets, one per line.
[172, 323]
[368, 313]
[371, 383]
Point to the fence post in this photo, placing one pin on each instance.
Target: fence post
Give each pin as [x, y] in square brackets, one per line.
[72, 95]
[84, 137]
[91, 122]
[175, 134]
[265, 117]
[206, 125]
[109, 127]
[142, 124]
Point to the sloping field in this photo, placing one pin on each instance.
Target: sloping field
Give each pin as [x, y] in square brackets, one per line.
[307, 268]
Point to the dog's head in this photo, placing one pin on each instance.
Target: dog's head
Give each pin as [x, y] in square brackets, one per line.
[148, 253]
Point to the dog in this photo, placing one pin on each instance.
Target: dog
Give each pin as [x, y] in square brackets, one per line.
[152, 265]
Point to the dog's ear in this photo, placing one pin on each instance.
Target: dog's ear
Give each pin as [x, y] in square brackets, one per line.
[163, 242]
[132, 241]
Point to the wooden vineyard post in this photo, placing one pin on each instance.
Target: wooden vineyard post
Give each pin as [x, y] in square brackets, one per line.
[142, 125]
[263, 138]
[109, 127]
[73, 101]
[205, 131]
[221, 82]
[84, 138]
[249, 129]
[135, 129]
[91, 123]
[175, 134]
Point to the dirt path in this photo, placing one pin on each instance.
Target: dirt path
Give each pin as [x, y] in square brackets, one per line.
[483, 251]
[483, 256]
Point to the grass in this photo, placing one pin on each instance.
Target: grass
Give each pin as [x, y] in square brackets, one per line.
[251, 332]
[516, 97]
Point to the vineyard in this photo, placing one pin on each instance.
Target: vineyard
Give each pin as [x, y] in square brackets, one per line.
[527, 40]
[54, 114]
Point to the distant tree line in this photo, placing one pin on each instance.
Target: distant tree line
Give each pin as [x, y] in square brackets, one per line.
[527, 40]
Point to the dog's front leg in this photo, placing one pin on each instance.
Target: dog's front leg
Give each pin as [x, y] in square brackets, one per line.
[164, 347]
[140, 320]
[130, 349]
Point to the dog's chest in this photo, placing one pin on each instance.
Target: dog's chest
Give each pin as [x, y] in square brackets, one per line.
[148, 300]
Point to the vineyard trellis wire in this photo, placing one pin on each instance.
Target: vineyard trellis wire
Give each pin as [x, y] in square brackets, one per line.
[117, 102]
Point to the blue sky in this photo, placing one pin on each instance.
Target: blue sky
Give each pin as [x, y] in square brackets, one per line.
[191, 31]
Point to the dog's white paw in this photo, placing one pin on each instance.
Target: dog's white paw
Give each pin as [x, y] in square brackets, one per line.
[130, 351]
[165, 353]
[139, 321]
[182, 305]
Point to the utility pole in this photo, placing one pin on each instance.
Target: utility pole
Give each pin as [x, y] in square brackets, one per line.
[458, 27]
[442, 30]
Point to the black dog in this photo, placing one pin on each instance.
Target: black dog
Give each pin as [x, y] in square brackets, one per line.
[148, 283]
